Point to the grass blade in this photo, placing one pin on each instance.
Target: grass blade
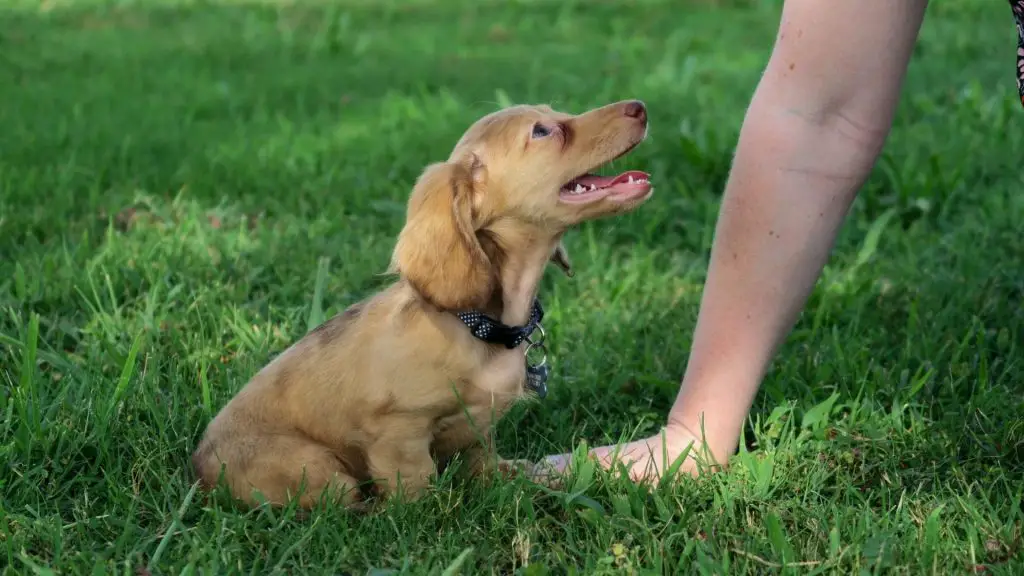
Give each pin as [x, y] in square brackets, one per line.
[316, 313]
[456, 566]
[175, 523]
[27, 398]
[126, 375]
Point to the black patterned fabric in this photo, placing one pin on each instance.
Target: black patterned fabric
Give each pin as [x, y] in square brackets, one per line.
[494, 332]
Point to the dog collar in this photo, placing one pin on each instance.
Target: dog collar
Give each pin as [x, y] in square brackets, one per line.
[495, 332]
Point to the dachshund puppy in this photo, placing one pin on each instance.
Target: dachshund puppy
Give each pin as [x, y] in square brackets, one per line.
[387, 392]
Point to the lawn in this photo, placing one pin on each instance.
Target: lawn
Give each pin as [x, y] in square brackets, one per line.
[188, 187]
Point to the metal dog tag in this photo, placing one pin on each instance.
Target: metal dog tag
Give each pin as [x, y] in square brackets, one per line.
[537, 373]
[537, 379]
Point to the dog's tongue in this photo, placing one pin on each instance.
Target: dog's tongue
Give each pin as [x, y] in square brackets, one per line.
[608, 181]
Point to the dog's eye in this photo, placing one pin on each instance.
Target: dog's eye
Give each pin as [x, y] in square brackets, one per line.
[540, 131]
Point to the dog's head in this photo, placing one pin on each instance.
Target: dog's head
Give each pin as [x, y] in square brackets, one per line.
[519, 175]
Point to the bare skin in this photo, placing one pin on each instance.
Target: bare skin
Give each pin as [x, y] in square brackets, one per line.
[814, 129]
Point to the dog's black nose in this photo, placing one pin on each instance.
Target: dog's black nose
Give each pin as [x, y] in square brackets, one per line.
[636, 109]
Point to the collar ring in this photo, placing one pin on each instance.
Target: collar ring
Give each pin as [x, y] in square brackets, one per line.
[536, 344]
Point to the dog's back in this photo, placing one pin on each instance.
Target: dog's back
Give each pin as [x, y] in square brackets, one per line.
[271, 424]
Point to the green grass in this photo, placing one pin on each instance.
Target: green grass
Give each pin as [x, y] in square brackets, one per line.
[175, 176]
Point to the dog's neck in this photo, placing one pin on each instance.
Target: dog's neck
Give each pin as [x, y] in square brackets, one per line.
[520, 264]
[520, 278]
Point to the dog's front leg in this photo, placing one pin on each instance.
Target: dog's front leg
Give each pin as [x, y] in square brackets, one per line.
[402, 465]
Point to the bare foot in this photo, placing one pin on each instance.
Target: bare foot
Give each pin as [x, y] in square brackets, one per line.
[647, 459]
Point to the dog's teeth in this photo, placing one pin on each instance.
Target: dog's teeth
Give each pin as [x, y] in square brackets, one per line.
[630, 179]
[579, 189]
[593, 187]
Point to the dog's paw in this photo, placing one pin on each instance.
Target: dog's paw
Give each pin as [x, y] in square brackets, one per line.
[514, 468]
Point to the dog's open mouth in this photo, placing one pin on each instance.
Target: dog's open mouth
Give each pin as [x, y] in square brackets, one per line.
[591, 188]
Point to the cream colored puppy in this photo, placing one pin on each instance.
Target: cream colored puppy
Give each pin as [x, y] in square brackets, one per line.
[384, 393]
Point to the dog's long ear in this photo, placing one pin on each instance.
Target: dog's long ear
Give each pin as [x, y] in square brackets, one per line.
[561, 259]
[438, 251]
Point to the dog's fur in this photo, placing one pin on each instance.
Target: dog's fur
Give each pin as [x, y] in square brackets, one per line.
[396, 385]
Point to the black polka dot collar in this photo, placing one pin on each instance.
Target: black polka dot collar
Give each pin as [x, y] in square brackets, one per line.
[494, 332]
